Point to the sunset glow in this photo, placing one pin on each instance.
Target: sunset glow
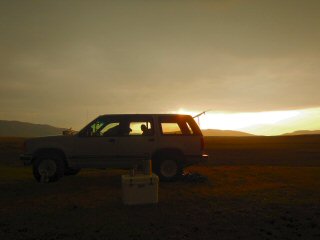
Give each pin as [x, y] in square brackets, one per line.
[254, 64]
[264, 123]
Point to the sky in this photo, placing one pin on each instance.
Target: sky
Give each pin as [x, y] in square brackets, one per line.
[65, 62]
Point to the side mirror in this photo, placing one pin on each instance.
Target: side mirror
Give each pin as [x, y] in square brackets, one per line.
[84, 133]
[69, 132]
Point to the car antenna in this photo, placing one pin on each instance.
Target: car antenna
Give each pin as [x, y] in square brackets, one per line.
[199, 115]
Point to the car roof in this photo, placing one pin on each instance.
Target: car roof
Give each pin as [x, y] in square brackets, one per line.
[147, 114]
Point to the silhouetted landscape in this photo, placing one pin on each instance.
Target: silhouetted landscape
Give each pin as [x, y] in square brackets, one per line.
[257, 188]
[217, 132]
[303, 132]
[25, 129]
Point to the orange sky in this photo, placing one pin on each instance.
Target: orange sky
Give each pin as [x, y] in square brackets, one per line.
[260, 123]
[64, 62]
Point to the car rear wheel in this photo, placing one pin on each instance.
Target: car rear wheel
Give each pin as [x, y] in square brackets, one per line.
[168, 169]
[48, 168]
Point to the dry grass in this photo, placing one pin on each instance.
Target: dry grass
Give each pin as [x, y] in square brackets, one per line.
[239, 201]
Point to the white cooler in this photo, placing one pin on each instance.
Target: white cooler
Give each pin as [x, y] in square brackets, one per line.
[140, 189]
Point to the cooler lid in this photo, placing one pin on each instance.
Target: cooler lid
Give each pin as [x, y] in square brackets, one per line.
[139, 178]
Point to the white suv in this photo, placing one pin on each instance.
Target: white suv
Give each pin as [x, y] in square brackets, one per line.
[171, 141]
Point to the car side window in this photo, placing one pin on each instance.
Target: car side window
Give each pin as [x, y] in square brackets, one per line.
[140, 128]
[169, 128]
[190, 128]
[174, 126]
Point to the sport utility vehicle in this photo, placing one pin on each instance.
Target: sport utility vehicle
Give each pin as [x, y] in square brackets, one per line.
[171, 141]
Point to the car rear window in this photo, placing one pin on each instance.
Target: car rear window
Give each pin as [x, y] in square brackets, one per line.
[171, 128]
[178, 125]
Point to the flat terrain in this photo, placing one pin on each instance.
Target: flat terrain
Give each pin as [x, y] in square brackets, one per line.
[257, 188]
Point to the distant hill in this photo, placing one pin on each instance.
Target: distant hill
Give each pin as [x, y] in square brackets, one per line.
[24, 129]
[302, 132]
[227, 133]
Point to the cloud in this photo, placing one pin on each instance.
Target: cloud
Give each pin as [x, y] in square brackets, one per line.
[61, 59]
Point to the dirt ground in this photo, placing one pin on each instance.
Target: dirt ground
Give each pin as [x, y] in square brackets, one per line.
[257, 188]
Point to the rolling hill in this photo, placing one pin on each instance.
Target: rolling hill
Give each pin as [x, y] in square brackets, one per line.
[224, 133]
[24, 129]
[302, 132]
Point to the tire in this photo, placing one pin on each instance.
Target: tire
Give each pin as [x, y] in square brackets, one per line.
[71, 171]
[48, 168]
[168, 169]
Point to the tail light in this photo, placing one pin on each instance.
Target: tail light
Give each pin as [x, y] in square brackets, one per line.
[202, 143]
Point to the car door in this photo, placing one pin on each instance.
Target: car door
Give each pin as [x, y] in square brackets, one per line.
[139, 143]
[179, 132]
[96, 145]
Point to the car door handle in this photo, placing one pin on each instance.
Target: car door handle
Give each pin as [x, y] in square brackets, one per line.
[151, 139]
[112, 140]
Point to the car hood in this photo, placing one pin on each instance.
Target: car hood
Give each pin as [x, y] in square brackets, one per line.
[56, 142]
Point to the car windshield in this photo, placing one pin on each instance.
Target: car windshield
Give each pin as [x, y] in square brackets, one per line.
[102, 126]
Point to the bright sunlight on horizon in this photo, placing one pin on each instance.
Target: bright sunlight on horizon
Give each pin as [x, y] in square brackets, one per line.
[259, 123]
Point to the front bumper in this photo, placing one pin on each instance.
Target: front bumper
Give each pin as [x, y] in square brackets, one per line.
[26, 159]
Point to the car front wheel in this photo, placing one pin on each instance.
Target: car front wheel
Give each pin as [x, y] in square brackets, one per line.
[48, 168]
